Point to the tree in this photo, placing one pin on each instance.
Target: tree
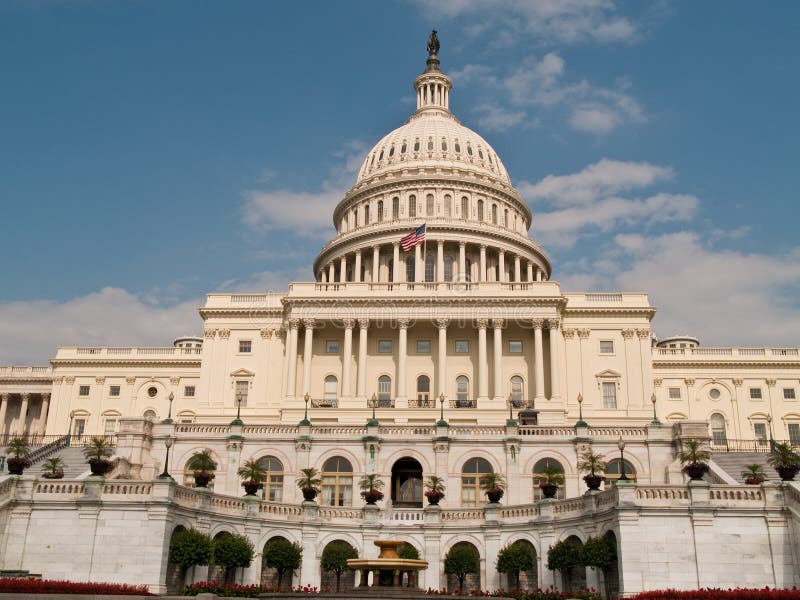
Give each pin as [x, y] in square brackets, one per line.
[515, 558]
[600, 552]
[564, 556]
[282, 555]
[408, 552]
[233, 551]
[190, 547]
[461, 560]
[335, 557]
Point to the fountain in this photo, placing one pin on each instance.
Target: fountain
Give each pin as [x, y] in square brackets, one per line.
[389, 570]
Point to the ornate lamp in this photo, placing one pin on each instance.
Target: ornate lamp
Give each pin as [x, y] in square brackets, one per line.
[441, 422]
[511, 422]
[581, 422]
[168, 420]
[68, 437]
[621, 446]
[305, 422]
[238, 420]
[655, 422]
[373, 402]
[168, 443]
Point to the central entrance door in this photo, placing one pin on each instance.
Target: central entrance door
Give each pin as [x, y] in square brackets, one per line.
[407, 483]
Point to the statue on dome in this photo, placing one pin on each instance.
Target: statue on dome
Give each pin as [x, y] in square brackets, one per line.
[433, 43]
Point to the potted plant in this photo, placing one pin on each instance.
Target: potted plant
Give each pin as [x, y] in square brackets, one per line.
[97, 454]
[253, 475]
[550, 477]
[434, 490]
[593, 464]
[694, 459]
[203, 466]
[784, 460]
[18, 451]
[494, 484]
[53, 468]
[309, 483]
[371, 488]
[754, 474]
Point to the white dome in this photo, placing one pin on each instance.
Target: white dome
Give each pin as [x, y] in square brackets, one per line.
[433, 138]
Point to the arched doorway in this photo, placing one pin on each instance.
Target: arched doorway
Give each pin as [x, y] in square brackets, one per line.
[347, 577]
[176, 574]
[611, 574]
[269, 575]
[472, 581]
[218, 573]
[407, 483]
[529, 580]
[575, 578]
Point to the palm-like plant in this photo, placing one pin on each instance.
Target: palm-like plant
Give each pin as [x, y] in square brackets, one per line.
[371, 488]
[592, 463]
[252, 471]
[202, 462]
[551, 475]
[784, 460]
[99, 449]
[18, 448]
[493, 481]
[753, 474]
[694, 457]
[434, 489]
[309, 479]
[53, 468]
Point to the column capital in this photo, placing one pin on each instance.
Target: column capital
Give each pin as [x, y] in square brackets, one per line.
[738, 382]
[771, 382]
[442, 323]
[224, 333]
[294, 323]
[583, 333]
[363, 323]
[309, 323]
[569, 333]
[403, 323]
[483, 246]
[538, 323]
[643, 333]
[462, 244]
[482, 323]
[358, 252]
[628, 333]
[553, 324]
[498, 323]
[395, 244]
[657, 382]
[4, 397]
[210, 333]
[348, 323]
[440, 242]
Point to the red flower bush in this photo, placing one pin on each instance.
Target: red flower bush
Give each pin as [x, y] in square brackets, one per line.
[234, 590]
[44, 586]
[720, 594]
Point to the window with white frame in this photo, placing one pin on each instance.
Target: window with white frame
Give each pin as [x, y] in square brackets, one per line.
[760, 433]
[674, 393]
[245, 346]
[242, 388]
[462, 389]
[332, 346]
[789, 394]
[515, 346]
[606, 346]
[718, 433]
[794, 433]
[188, 391]
[609, 394]
[384, 390]
[755, 394]
[331, 390]
[517, 391]
[110, 425]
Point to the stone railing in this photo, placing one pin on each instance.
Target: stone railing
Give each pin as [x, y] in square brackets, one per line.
[772, 354]
[171, 352]
[26, 372]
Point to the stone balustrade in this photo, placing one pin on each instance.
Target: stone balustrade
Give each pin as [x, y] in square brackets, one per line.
[707, 353]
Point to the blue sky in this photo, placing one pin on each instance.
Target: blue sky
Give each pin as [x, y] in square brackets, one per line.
[153, 151]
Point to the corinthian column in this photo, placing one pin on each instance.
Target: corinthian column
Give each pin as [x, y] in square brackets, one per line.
[396, 262]
[462, 261]
[555, 359]
[347, 356]
[376, 263]
[23, 413]
[501, 266]
[482, 274]
[291, 358]
[361, 390]
[4, 398]
[440, 261]
[43, 413]
[308, 324]
[538, 359]
[483, 363]
[441, 378]
[498, 358]
[401, 358]
[357, 268]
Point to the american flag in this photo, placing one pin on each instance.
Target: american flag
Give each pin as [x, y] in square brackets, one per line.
[414, 238]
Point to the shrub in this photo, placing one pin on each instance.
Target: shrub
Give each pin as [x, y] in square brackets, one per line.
[45, 586]
[241, 591]
[282, 555]
[335, 557]
[513, 559]
[233, 551]
[408, 552]
[461, 560]
[190, 547]
[564, 556]
[720, 594]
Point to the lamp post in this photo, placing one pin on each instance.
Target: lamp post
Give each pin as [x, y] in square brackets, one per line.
[305, 422]
[655, 422]
[373, 402]
[442, 422]
[581, 422]
[238, 420]
[771, 439]
[168, 443]
[168, 420]
[621, 446]
[69, 431]
[511, 422]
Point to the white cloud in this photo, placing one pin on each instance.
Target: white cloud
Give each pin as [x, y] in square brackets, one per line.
[594, 119]
[725, 297]
[571, 21]
[32, 330]
[497, 118]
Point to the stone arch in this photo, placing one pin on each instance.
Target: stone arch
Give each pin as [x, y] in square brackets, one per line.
[406, 482]
[568, 462]
[176, 574]
[611, 574]
[528, 580]
[269, 575]
[575, 578]
[184, 477]
[217, 573]
[347, 580]
[427, 467]
[473, 580]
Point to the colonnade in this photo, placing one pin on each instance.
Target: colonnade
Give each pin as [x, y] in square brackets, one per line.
[19, 425]
[519, 268]
[401, 394]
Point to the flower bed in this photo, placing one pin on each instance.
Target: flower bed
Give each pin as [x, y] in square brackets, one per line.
[44, 586]
[537, 594]
[234, 590]
[720, 594]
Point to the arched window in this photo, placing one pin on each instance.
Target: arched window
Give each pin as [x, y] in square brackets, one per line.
[355, 218]
[462, 391]
[411, 268]
[395, 208]
[331, 390]
[423, 390]
[471, 475]
[448, 206]
[430, 267]
[273, 483]
[718, 433]
[505, 219]
[366, 214]
[380, 211]
[494, 214]
[448, 268]
[540, 469]
[429, 205]
[480, 211]
[614, 471]
[517, 391]
[149, 414]
[412, 206]
[430, 144]
[464, 207]
[384, 390]
[337, 482]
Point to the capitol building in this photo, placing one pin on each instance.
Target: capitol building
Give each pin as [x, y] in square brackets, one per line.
[455, 355]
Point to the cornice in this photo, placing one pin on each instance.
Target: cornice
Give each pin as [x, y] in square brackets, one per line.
[25, 380]
[106, 362]
[717, 363]
[239, 312]
[380, 302]
[609, 310]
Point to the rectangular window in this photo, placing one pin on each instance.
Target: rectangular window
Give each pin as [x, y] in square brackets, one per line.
[385, 346]
[395, 208]
[674, 393]
[79, 427]
[188, 391]
[462, 346]
[242, 388]
[83, 390]
[515, 346]
[755, 393]
[245, 346]
[609, 394]
[113, 390]
[794, 434]
[412, 206]
[423, 346]
[606, 346]
[332, 346]
[789, 394]
[464, 208]
[110, 427]
[760, 431]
